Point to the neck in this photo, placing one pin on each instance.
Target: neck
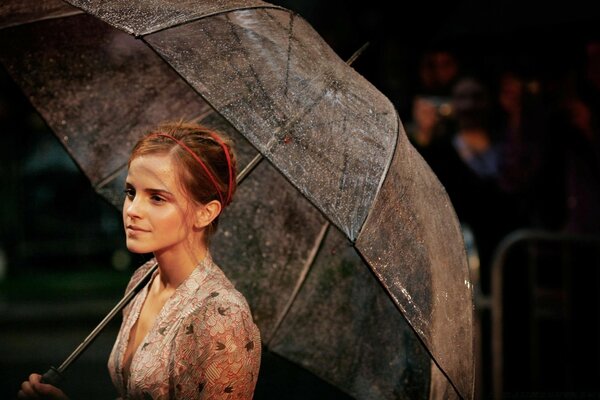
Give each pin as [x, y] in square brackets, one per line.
[176, 266]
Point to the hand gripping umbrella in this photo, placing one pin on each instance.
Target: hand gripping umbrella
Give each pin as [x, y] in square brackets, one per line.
[344, 242]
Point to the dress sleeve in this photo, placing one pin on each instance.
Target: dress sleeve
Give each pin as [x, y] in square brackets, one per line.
[216, 354]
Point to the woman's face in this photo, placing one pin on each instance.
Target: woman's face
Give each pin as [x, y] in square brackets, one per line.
[156, 208]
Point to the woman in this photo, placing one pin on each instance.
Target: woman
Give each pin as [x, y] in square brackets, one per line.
[188, 334]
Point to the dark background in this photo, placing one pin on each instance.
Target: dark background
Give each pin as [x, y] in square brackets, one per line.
[62, 257]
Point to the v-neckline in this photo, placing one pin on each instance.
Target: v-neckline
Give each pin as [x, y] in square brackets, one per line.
[126, 369]
[139, 305]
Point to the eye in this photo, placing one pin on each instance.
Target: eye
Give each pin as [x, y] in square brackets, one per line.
[129, 192]
[157, 199]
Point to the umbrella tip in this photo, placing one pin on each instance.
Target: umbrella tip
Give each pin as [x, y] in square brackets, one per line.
[357, 53]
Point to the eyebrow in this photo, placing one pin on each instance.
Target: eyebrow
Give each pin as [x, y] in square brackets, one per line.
[161, 191]
[152, 190]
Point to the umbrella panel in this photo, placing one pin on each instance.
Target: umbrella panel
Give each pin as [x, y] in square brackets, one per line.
[244, 151]
[344, 327]
[264, 243]
[93, 84]
[429, 277]
[258, 69]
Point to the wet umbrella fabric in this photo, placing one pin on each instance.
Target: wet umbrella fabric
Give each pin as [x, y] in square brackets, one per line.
[337, 156]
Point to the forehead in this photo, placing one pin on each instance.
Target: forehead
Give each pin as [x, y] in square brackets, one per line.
[153, 169]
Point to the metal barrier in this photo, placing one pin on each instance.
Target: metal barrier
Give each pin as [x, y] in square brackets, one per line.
[564, 244]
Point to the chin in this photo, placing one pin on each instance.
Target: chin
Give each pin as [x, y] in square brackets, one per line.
[138, 248]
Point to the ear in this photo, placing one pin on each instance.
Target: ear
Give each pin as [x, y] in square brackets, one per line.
[205, 214]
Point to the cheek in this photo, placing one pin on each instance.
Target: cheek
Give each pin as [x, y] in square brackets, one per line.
[169, 220]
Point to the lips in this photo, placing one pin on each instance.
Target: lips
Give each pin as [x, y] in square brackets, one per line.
[136, 228]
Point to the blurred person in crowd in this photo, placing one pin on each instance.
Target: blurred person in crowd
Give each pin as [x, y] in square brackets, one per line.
[438, 70]
[468, 165]
[531, 164]
[428, 124]
[431, 107]
[581, 106]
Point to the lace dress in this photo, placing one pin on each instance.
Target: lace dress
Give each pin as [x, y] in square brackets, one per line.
[203, 344]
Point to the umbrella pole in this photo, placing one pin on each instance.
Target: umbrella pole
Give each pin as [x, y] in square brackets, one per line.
[55, 375]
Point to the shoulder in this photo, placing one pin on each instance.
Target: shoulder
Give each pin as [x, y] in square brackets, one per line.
[221, 310]
[220, 292]
[139, 273]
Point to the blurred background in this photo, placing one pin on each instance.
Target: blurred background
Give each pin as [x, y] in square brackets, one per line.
[500, 98]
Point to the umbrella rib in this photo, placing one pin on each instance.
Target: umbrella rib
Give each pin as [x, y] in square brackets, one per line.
[198, 118]
[249, 168]
[289, 54]
[302, 278]
[110, 177]
[158, 29]
[44, 18]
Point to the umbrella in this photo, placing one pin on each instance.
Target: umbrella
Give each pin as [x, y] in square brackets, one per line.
[344, 242]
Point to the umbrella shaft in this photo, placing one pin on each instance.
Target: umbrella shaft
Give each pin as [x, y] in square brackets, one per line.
[120, 305]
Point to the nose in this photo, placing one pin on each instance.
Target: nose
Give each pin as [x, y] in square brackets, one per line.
[132, 208]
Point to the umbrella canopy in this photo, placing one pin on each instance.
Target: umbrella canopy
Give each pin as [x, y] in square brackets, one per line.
[344, 243]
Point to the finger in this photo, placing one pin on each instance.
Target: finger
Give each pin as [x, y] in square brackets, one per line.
[48, 391]
[27, 391]
[21, 395]
[35, 378]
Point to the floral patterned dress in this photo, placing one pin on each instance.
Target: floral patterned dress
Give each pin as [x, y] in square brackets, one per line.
[203, 344]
